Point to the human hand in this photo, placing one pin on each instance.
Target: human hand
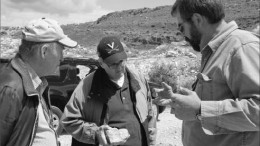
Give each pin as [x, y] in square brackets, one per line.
[163, 95]
[152, 136]
[162, 102]
[164, 92]
[100, 134]
[186, 105]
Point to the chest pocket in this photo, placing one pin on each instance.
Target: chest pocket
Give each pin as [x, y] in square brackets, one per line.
[204, 86]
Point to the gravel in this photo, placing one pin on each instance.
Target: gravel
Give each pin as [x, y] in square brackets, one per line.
[168, 131]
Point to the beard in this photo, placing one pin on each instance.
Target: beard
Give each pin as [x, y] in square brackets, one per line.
[195, 39]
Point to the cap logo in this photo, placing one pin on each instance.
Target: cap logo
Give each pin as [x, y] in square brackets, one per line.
[112, 47]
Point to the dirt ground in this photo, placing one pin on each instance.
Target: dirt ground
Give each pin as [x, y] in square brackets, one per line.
[169, 131]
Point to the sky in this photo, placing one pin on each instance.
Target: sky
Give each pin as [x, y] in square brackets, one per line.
[20, 12]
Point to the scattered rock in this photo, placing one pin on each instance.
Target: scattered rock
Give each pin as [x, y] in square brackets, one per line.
[256, 29]
[191, 55]
[171, 54]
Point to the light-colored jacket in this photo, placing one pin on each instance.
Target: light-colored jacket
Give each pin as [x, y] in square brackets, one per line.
[82, 114]
[229, 88]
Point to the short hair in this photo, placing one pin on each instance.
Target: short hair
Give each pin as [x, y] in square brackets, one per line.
[213, 10]
[27, 48]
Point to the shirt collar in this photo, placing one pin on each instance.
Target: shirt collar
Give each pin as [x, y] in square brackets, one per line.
[119, 82]
[37, 82]
[221, 36]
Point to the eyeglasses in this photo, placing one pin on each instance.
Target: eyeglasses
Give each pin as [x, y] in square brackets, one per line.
[115, 65]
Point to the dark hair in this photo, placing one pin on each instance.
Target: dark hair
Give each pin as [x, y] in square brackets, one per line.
[213, 10]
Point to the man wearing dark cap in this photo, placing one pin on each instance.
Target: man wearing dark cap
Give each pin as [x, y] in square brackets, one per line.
[112, 97]
[25, 117]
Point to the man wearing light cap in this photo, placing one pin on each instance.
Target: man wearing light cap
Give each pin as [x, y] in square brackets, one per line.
[25, 117]
[111, 98]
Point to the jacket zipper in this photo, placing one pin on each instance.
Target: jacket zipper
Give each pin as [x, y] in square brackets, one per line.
[35, 123]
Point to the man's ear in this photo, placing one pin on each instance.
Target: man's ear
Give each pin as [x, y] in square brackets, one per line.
[198, 20]
[44, 50]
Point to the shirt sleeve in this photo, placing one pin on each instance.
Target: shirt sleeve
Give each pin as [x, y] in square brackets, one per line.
[241, 113]
[74, 120]
[9, 107]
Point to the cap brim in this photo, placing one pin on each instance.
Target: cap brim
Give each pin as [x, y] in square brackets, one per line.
[115, 58]
[68, 42]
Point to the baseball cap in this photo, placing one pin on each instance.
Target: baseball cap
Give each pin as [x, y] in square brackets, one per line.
[46, 30]
[111, 50]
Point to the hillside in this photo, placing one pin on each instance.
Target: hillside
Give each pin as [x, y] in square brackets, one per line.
[134, 27]
[143, 29]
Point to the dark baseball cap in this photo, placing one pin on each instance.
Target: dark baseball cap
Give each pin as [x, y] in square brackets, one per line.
[111, 50]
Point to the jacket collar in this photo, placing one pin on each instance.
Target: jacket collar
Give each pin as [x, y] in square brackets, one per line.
[101, 80]
[20, 66]
[132, 77]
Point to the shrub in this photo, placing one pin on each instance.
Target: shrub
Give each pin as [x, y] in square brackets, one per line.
[164, 73]
[175, 74]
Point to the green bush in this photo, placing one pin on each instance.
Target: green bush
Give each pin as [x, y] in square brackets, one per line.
[174, 74]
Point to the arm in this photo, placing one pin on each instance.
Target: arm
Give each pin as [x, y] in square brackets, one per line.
[74, 120]
[241, 113]
[9, 107]
[239, 110]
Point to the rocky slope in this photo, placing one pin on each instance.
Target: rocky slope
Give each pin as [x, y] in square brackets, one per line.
[146, 28]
